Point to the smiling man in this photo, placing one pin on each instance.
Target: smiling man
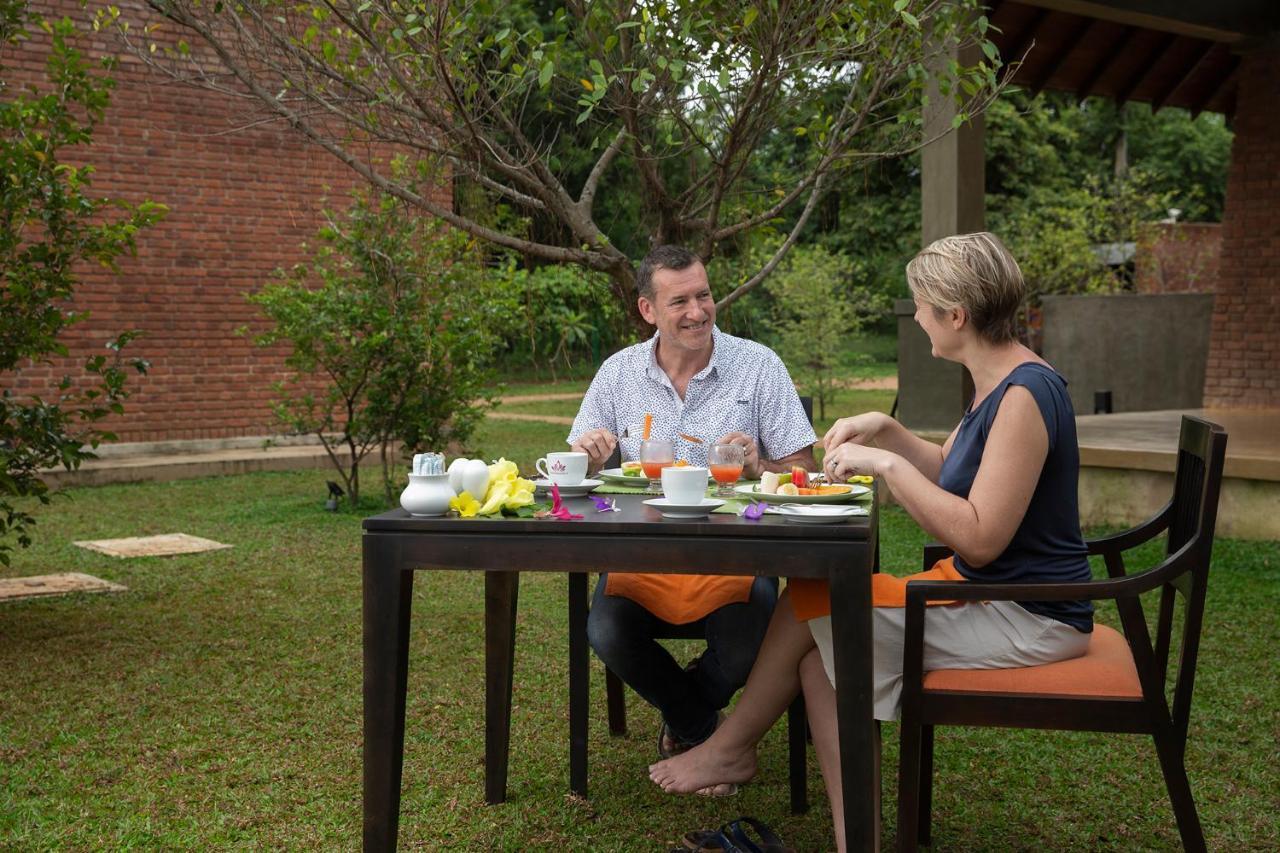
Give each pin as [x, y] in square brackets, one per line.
[696, 381]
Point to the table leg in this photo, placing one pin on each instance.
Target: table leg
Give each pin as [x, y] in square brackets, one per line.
[859, 746]
[579, 709]
[388, 595]
[501, 589]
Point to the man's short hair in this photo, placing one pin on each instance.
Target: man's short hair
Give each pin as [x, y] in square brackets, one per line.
[974, 272]
[662, 258]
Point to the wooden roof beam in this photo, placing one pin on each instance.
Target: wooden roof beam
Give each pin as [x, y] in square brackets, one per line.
[1219, 89]
[1118, 50]
[1145, 68]
[1177, 82]
[1026, 38]
[1067, 48]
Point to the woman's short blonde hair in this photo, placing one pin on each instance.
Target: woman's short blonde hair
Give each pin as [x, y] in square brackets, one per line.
[974, 272]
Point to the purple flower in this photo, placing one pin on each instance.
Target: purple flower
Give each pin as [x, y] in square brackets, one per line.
[605, 504]
[755, 511]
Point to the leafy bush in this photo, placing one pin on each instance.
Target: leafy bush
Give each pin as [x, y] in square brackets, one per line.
[1056, 233]
[815, 311]
[392, 330]
[560, 315]
[52, 224]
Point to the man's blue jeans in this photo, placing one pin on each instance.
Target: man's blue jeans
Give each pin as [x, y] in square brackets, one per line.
[622, 634]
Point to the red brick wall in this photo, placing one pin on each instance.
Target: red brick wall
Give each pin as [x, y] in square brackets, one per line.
[241, 202]
[1244, 349]
[1179, 258]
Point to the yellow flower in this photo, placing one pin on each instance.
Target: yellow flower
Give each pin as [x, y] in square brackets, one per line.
[503, 470]
[499, 491]
[521, 494]
[465, 505]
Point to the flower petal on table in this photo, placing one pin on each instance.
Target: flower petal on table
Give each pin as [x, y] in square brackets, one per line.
[465, 505]
[499, 491]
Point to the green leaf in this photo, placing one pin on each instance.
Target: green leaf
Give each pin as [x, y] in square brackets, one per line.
[749, 18]
[544, 76]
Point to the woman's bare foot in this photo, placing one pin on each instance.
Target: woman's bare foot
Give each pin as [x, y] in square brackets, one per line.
[704, 766]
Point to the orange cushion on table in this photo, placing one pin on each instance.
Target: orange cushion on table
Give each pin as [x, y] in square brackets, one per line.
[1106, 670]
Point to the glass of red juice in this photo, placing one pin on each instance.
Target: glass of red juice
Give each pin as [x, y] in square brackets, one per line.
[725, 462]
[656, 454]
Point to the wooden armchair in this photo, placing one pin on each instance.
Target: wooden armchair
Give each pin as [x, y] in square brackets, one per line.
[1117, 686]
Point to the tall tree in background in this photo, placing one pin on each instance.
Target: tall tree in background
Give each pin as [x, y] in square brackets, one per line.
[50, 224]
[675, 101]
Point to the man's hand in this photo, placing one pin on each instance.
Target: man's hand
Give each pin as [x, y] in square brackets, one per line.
[751, 468]
[598, 444]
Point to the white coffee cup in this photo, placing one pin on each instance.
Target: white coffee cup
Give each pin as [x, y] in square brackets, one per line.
[684, 486]
[567, 468]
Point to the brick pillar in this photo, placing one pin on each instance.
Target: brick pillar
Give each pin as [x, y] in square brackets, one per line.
[1244, 349]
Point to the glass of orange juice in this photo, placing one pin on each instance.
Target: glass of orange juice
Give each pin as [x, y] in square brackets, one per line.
[656, 454]
[725, 462]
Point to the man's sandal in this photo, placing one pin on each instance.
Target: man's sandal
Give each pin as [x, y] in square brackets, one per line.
[736, 837]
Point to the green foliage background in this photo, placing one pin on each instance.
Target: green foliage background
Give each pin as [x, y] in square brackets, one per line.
[50, 226]
[392, 328]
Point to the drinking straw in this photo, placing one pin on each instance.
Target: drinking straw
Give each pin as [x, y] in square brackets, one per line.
[648, 425]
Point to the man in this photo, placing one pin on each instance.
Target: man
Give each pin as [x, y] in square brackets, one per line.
[696, 381]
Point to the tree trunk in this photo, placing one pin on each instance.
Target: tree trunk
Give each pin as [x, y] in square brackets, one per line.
[622, 281]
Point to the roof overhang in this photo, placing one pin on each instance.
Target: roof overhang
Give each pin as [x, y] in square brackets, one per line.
[1177, 53]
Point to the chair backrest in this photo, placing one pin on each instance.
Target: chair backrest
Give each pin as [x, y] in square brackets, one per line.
[1192, 520]
[806, 402]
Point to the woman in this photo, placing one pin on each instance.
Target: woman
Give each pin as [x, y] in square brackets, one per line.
[1000, 492]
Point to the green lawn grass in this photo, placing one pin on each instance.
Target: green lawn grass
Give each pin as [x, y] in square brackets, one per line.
[217, 704]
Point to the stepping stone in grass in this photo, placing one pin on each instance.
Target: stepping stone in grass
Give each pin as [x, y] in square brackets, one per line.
[165, 545]
[12, 589]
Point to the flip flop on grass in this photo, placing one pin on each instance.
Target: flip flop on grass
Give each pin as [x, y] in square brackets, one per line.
[736, 837]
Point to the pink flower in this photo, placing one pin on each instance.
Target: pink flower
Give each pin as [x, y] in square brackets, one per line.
[558, 509]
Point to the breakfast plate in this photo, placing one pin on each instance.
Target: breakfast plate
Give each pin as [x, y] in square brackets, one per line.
[821, 513]
[615, 475]
[542, 485]
[752, 491]
[670, 509]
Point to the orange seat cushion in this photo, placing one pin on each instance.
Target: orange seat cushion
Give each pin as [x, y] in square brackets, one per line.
[1105, 671]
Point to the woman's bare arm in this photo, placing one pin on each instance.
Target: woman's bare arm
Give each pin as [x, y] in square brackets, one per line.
[980, 527]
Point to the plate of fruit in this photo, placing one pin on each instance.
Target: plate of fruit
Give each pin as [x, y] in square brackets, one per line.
[800, 487]
[633, 473]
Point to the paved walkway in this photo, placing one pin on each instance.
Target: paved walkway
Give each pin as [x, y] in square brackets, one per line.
[158, 461]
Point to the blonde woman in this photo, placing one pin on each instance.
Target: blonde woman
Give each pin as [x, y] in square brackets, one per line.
[1000, 492]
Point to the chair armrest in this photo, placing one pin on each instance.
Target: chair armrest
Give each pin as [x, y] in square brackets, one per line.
[933, 552]
[1134, 536]
[918, 592]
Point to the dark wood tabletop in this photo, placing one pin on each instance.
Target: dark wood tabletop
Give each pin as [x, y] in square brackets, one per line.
[634, 517]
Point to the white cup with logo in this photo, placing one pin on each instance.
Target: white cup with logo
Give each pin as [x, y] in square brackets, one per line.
[684, 486]
[566, 468]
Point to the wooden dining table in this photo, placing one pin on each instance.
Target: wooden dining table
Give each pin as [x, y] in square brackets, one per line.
[635, 539]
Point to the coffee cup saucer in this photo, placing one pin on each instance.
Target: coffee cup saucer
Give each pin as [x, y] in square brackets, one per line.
[671, 509]
[542, 484]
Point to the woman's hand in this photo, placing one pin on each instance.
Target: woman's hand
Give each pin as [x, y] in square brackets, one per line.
[848, 459]
[859, 429]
